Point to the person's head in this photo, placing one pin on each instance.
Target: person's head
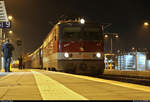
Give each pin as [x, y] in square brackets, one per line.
[7, 40]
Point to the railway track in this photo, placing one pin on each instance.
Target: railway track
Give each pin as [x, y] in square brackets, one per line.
[130, 79]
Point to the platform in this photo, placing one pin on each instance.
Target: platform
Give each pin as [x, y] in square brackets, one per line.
[48, 85]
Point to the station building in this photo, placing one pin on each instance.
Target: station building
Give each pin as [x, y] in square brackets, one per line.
[129, 61]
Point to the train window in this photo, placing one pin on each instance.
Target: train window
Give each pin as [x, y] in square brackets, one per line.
[91, 34]
[55, 37]
[41, 52]
[71, 33]
[54, 34]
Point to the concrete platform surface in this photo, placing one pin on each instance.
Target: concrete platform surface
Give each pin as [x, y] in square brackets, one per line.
[47, 85]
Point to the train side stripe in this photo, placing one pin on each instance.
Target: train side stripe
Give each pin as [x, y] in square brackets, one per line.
[53, 90]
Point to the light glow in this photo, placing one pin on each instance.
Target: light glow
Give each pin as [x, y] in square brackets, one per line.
[82, 21]
[146, 24]
[106, 36]
[117, 36]
[66, 54]
[141, 61]
[10, 17]
[10, 32]
[98, 55]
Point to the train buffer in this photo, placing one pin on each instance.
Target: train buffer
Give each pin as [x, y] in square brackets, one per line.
[32, 84]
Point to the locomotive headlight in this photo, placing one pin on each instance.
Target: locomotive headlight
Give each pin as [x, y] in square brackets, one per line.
[82, 21]
[66, 54]
[98, 55]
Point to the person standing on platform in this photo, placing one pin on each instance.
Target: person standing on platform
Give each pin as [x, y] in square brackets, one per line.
[20, 62]
[7, 49]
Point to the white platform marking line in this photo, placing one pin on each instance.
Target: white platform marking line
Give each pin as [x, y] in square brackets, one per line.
[123, 84]
[53, 90]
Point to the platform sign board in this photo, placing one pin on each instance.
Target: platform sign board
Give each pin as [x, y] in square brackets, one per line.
[5, 24]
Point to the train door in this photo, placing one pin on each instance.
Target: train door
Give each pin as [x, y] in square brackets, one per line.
[41, 58]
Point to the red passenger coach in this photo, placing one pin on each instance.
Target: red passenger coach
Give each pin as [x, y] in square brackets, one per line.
[72, 47]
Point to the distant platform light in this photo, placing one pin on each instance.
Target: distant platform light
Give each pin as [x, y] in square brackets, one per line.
[106, 36]
[117, 36]
[82, 21]
[10, 17]
[146, 24]
[10, 32]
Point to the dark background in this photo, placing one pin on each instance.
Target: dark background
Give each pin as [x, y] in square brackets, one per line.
[33, 17]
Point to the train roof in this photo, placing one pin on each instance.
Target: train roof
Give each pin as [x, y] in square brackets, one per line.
[75, 21]
[68, 21]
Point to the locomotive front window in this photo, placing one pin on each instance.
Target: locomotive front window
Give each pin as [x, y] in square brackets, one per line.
[71, 33]
[81, 33]
[92, 34]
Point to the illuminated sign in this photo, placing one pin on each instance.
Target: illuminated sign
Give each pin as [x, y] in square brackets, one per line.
[129, 62]
[141, 61]
[5, 24]
[148, 64]
[132, 61]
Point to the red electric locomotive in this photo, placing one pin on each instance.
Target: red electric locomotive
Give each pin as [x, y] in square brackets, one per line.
[72, 46]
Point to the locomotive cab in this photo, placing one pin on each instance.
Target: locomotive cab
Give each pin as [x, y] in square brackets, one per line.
[81, 48]
[72, 47]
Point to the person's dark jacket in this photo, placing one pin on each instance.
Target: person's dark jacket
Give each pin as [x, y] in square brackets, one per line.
[7, 49]
[20, 60]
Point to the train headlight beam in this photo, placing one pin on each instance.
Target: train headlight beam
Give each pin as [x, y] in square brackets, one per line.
[82, 21]
[98, 55]
[66, 54]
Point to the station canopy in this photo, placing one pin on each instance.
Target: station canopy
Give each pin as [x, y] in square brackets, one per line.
[3, 13]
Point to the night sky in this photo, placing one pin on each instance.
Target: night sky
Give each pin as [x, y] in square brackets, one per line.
[33, 17]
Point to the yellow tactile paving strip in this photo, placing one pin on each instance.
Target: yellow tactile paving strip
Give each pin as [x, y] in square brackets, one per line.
[53, 90]
[123, 84]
